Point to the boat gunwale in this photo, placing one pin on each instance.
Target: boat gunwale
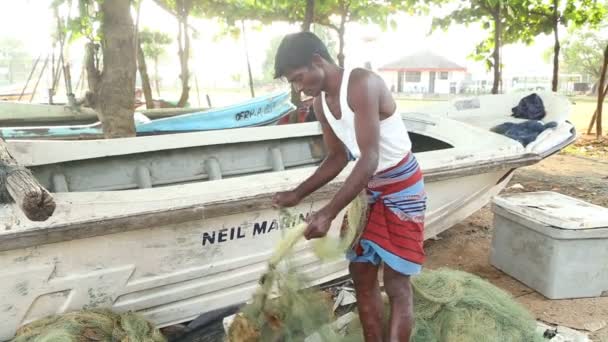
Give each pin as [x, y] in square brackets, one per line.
[157, 142]
[103, 226]
[22, 150]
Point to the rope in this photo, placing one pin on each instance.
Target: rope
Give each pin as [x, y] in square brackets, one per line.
[6, 171]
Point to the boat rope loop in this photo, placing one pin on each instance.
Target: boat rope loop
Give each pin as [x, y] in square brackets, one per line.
[7, 170]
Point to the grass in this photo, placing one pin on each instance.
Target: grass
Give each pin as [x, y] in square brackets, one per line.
[589, 146]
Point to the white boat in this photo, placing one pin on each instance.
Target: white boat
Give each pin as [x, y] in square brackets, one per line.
[37, 114]
[189, 227]
[489, 110]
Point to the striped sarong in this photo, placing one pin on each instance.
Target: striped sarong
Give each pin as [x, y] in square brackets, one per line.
[394, 233]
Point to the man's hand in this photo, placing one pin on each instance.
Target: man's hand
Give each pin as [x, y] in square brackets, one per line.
[318, 224]
[285, 199]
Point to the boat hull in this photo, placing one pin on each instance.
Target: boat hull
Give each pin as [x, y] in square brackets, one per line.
[172, 272]
[36, 114]
[262, 111]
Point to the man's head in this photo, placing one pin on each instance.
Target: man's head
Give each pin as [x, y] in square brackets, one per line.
[300, 58]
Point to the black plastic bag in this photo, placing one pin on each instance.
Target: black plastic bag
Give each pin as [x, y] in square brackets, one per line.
[530, 107]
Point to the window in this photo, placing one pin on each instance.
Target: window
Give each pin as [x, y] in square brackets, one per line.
[412, 76]
[443, 75]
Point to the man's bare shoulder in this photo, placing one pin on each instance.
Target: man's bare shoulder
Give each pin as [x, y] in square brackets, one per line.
[363, 85]
[363, 77]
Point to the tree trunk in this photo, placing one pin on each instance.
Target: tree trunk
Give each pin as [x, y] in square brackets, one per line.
[183, 43]
[309, 16]
[556, 47]
[247, 58]
[68, 85]
[295, 96]
[594, 116]
[141, 61]
[115, 91]
[592, 122]
[65, 65]
[156, 76]
[601, 95]
[497, 43]
[341, 33]
[145, 79]
[92, 67]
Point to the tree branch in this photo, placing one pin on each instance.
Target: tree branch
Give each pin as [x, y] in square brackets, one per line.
[167, 9]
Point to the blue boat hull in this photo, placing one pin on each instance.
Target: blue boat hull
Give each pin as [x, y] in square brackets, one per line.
[259, 111]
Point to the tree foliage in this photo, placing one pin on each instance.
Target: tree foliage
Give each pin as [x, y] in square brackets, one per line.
[154, 42]
[519, 21]
[14, 58]
[495, 16]
[84, 19]
[334, 14]
[549, 15]
[268, 65]
[583, 53]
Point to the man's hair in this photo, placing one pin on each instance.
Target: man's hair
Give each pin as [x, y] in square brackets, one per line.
[296, 50]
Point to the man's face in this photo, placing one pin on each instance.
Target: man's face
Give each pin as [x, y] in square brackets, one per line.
[308, 79]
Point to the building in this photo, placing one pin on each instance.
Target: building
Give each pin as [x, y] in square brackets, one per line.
[423, 73]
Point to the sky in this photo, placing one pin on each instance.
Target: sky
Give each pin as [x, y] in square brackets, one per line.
[216, 60]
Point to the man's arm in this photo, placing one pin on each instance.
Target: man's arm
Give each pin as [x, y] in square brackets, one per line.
[364, 99]
[330, 167]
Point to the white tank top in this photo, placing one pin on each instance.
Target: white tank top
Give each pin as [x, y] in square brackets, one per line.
[395, 144]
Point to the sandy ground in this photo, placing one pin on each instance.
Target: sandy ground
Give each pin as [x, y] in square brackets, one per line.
[466, 246]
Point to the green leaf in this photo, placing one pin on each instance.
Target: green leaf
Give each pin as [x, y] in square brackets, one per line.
[393, 24]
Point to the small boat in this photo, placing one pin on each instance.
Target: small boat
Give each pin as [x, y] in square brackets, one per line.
[173, 226]
[37, 114]
[480, 110]
[13, 96]
[260, 111]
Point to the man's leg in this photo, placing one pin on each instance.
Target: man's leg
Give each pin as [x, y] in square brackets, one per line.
[399, 291]
[369, 300]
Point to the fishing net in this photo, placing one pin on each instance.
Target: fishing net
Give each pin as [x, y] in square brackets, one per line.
[455, 306]
[450, 306]
[295, 311]
[90, 325]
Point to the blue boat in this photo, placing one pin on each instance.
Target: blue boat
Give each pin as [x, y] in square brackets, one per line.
[260, 111]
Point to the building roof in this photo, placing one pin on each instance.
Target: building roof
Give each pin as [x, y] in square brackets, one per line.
[423, 61]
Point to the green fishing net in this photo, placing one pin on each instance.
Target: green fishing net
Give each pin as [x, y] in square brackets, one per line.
[455, 306]
[449, 306]
[295, 312]
[90, 325]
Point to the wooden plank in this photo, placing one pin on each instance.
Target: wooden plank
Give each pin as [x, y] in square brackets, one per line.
[32, 198]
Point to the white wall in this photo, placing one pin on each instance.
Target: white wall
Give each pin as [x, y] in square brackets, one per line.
[390, 79]
[441, 86]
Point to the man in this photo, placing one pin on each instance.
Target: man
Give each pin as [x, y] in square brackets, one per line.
[358, 120]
